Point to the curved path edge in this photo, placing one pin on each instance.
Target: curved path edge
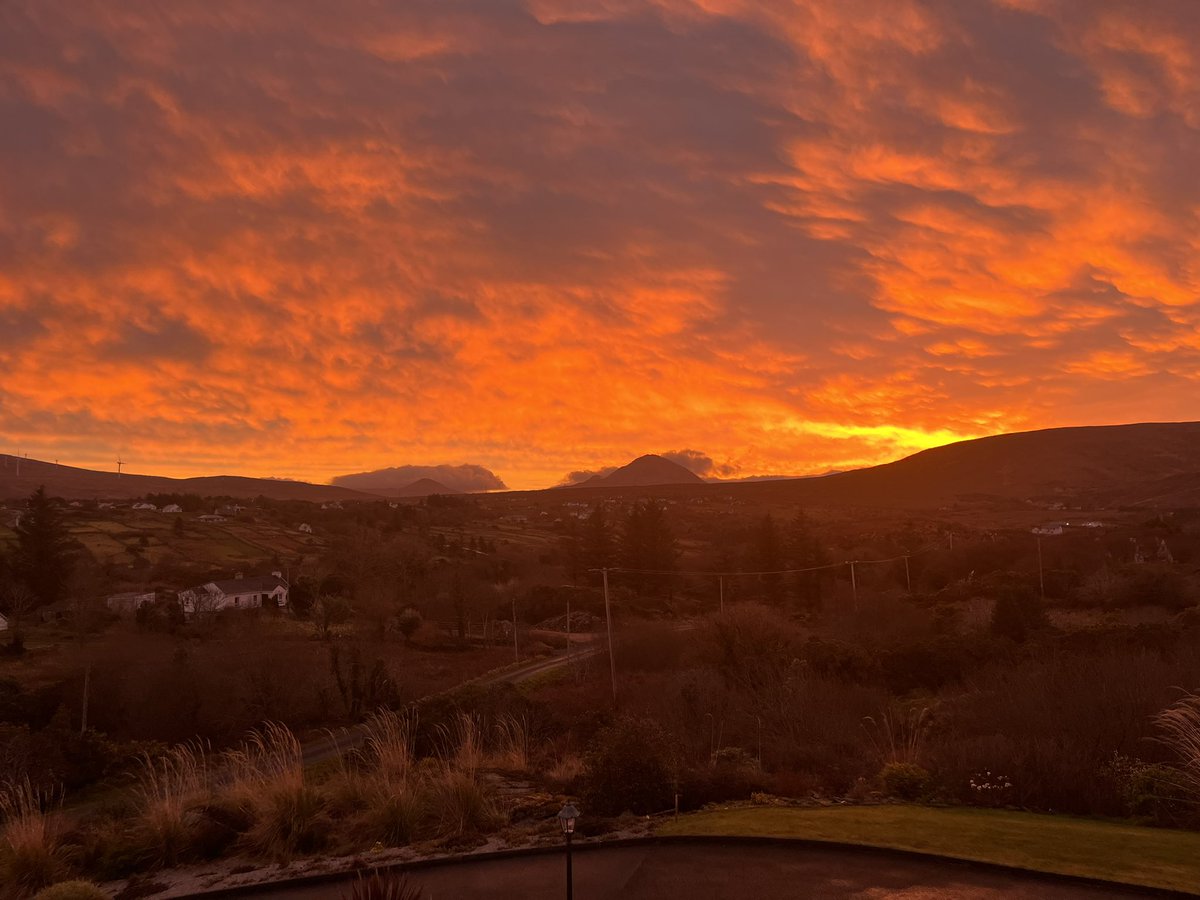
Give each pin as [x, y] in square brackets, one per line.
[694, 840]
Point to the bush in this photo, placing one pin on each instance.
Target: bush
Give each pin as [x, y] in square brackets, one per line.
[630, 767]
[904, 780]
[1155, 794]
[1017, 612]
[72, 890]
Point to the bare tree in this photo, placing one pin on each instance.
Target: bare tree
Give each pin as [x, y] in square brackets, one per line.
[18, 602]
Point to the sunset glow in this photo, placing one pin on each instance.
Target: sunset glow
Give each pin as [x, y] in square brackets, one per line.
[291, 238]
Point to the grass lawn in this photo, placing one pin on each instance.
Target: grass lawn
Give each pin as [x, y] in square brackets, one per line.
[1098, 849]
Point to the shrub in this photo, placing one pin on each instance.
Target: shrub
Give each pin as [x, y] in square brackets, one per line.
[71, 890]
[1017, 612]
[629, 768]
[904, 780]
[1153, 793]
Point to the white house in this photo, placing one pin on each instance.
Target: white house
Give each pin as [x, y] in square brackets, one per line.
[210, 517]
[306, 528]
[144, 506]
[172, 508]
[1049, 528]
[129, 602]
[235, 593]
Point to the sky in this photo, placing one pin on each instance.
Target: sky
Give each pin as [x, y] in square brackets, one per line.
[301, 239]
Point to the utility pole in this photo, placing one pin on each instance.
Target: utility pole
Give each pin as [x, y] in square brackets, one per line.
[1041, 574]
[516, 651]
[721, 582]
[612, 658]
[568, 627]
[87, 683]
[853, 584]
[952, 542]
[907, 576]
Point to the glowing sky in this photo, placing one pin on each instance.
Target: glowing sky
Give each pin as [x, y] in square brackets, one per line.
[294, 237]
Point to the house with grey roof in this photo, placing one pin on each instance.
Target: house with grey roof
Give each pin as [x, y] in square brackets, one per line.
[235, 593]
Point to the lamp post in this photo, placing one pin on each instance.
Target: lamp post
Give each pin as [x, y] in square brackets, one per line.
[566, 821]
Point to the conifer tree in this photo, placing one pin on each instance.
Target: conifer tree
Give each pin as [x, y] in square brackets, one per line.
[43, 557]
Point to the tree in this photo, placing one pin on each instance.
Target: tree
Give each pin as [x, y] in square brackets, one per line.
[768, 555]
[804, 551]
[647, 543]
[43, 555]
[17, 601]
[1017, 612]
[407, 623]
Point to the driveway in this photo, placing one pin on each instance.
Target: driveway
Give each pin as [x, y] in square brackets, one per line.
[716, 872]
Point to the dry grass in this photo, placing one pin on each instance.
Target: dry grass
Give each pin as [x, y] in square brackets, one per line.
[460, 745]
[266, 780]
[31, 850]
[898, 734]
[510, 750]
[168, 787]
[1181, 724]
[567, 769]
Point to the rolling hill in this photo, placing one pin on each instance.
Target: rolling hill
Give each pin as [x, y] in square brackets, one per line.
[1154, 465]
[1143, 464]
[83, 484]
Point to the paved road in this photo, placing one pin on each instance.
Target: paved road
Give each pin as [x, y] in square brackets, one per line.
[716, 872]
[345, 739]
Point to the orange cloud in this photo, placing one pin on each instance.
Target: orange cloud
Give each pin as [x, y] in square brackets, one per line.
[283, 239]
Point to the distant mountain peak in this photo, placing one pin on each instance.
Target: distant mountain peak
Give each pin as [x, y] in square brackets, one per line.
[645, 471]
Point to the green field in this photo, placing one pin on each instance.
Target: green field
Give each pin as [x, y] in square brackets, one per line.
[1097, 849]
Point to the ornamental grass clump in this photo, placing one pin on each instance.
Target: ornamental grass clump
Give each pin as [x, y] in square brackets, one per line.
[71, 890]
[265, 779]
[394, 803]
[1180, 723]
[168, 788]
[31, 847]
[383, 886]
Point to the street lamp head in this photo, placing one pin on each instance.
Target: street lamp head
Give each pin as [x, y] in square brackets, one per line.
[566, 818]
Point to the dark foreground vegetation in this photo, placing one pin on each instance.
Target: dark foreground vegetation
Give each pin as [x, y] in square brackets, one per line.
[949, 665]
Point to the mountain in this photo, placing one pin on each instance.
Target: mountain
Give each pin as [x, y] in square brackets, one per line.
[645, 471]
[81, 484]
[422, 487]
[453, 479]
